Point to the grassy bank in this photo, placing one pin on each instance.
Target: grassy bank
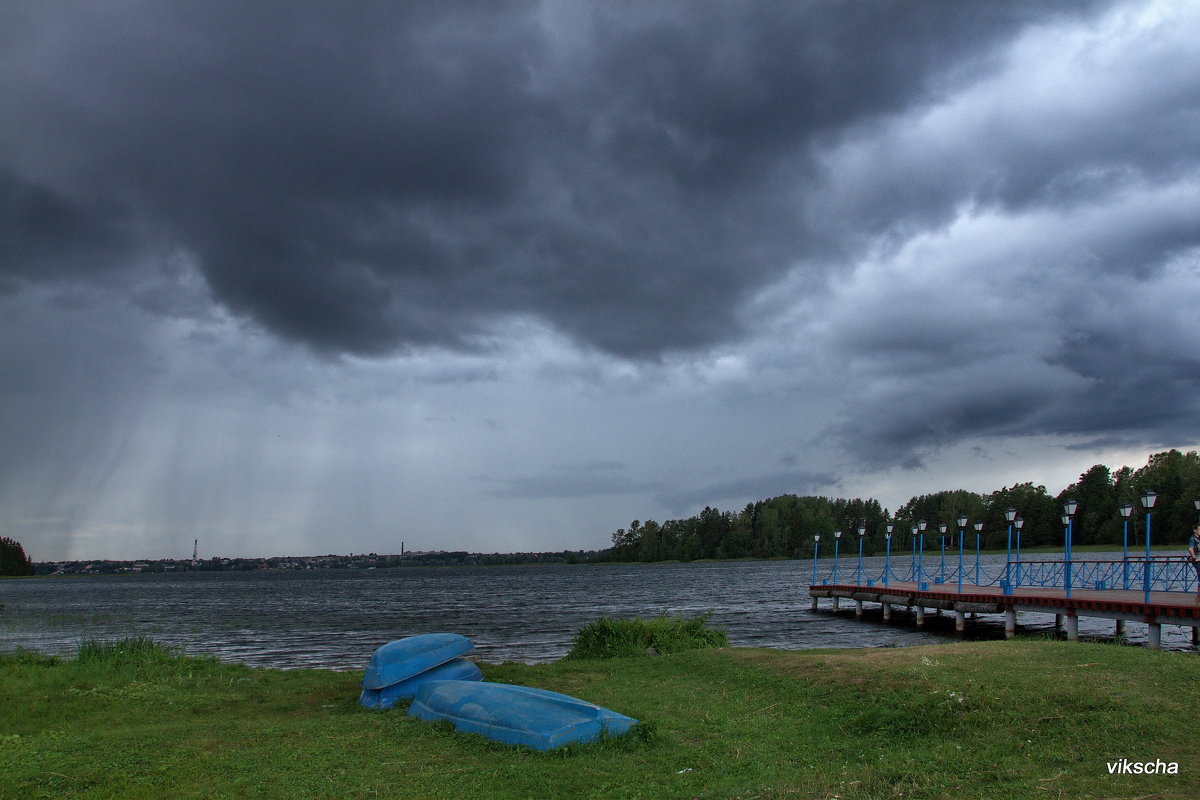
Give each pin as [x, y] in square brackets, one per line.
[1015, 719]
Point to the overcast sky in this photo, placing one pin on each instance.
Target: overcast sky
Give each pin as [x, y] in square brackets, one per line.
[300, 278]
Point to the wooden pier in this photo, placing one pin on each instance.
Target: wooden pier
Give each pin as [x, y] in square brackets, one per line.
[1163, 608]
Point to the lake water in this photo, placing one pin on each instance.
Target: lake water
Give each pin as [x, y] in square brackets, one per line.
[334, 619]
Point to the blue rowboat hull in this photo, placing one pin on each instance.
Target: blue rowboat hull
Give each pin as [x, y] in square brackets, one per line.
[517, 715]
[456, 669]
[402, 659]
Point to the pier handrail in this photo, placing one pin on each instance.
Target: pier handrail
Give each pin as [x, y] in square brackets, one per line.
[1157, 573]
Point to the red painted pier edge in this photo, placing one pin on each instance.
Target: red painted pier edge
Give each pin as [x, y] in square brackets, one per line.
[1164, 608]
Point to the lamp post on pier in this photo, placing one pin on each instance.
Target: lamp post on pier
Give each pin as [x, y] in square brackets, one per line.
[942, 530]
[913, 573]
[1069, 509]
[1010, 514]
[1126, 510]
[887, 563]
[978, 542]
[816, 546]
[1019, 523]
[1066, 552]
[921, 552]
[862, 532]
[962, 523]
[1149, 497]
[837, 539]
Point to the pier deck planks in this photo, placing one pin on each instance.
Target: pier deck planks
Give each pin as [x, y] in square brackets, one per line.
[1173, 608]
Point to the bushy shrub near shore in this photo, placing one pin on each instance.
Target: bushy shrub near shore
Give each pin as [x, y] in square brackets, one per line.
[129, 650]
[623, 638]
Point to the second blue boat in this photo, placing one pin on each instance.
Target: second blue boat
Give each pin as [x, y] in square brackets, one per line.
[402, 659]
[518, 715]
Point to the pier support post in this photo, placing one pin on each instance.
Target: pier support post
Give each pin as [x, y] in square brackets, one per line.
[1120, 627]
[1058, 622]
[1195, 635]
[920, 616]
[960, 621]
[1072, 628]
[814, 608]
[1010, 623]
[1154, 640]
[887, 613]
[836, 603]
[858, 611]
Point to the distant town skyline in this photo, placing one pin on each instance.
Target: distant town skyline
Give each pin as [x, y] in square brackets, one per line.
[503, 277]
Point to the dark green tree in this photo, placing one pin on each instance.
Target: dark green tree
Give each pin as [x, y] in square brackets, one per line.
[943, 507]
[13, 560]
[1040, 511]
[650, 542]
[626, 543]
[1175, 477]
[1096, 518]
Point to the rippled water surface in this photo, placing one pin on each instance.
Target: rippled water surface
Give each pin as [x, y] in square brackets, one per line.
[336, 618]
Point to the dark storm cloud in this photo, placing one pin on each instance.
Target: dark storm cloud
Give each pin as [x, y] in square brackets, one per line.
[938, 221]
[1131, 383]
[1097, 361]
[367, 177]
[1036, 247]
[908, 424]
[49, 236]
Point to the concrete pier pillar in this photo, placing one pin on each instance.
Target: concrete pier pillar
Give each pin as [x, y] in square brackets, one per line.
[1154, 642]
[1058, 622]
[858, 609]
[814, 607]
[887, 612]
[836, 603]
[1010, 623]
[920, 616]
[1195, 635]
[960, 621]
[1072, 628]
[1120, 627]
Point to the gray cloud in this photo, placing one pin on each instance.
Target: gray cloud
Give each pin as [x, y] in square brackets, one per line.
[49, 236]
[407, 175]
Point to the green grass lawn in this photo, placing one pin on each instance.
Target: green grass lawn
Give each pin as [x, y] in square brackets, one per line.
[1011, 719]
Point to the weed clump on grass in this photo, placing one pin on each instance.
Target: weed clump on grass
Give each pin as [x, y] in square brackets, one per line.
[624, 638]
[132, 650]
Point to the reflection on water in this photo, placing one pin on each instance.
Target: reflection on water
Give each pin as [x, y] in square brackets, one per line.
[335, 618]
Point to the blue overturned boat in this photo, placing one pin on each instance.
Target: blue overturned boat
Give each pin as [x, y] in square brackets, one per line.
[397, 670]
[456, 669]
[404, 658]
[517, 715]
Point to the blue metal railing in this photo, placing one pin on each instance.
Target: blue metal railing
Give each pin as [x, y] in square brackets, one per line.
[1136, 573]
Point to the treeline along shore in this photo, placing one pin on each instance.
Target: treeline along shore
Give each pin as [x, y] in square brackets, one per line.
[437, 558]
[784, 526]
